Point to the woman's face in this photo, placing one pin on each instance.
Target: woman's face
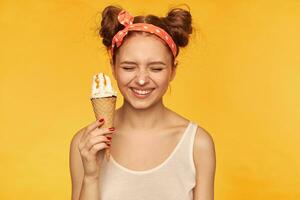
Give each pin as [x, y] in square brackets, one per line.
[143, 70]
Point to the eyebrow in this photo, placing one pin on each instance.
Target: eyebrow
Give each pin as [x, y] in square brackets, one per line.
[151, 63]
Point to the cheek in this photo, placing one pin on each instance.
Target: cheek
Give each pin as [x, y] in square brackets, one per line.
[124, 78]
[162, 80]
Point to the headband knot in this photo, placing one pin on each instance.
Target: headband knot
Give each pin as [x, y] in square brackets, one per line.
[125, 18]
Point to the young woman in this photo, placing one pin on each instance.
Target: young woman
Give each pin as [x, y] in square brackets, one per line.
[156, 154]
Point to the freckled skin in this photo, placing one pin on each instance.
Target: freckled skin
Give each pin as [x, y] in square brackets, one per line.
[141, 50]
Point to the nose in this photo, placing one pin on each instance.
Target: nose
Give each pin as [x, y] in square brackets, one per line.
[142, 78]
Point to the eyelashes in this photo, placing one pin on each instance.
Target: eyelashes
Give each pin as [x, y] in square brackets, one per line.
[157, 69]
[127, 68]
[132, 68]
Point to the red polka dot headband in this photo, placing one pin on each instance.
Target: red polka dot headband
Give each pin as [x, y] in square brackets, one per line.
[126, 19]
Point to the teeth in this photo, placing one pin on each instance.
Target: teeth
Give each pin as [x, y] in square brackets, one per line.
[142, 92]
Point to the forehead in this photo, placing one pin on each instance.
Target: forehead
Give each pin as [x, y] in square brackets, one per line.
[144, 47]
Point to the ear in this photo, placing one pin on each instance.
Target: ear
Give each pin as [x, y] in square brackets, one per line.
[174, 67]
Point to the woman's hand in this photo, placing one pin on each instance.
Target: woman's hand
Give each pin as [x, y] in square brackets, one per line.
[93, 140]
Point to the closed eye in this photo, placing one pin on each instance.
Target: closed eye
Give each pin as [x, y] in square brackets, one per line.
[157, 69]
[128, 68]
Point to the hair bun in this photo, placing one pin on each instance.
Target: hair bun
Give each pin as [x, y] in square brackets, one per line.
[109, 24]
[179, 23]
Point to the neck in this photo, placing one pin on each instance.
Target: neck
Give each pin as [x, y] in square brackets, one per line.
[141, 119]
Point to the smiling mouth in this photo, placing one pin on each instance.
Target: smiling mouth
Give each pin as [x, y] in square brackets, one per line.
[143, 92]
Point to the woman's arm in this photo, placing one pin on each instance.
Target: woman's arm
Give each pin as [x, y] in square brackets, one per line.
[89, 189]
[82, 187]
[205, 163]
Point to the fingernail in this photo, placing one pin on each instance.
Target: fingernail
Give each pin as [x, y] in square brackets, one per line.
[101, 120]
[108, 144]
[111, 129]
[108, 137]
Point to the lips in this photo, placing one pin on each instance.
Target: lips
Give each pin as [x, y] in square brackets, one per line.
[142, 92]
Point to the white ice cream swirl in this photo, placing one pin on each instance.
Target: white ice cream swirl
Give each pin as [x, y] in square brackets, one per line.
[102, 87]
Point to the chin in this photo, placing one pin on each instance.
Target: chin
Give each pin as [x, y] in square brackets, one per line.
[141, 105]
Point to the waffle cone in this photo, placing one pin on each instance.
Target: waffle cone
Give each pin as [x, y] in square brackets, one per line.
[105, 108]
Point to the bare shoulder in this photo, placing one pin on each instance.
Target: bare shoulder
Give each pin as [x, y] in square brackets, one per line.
[75, 164]
[74, 151]
[74, 156]
[77, 136]
[204, 149]
[205, 164]
[203, 140]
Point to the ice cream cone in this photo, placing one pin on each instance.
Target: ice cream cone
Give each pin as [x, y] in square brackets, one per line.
[104, 99]
[104, 107]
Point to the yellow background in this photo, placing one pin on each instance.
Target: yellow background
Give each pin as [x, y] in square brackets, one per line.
[238, 79]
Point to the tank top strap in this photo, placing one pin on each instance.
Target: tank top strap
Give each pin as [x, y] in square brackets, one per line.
[185, 151]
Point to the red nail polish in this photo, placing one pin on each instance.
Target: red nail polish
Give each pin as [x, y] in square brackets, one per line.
[111, 129]
[101, 120]
[108, 137]
[108, 144]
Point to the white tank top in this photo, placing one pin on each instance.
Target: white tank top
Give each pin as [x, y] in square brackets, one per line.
[174, 179]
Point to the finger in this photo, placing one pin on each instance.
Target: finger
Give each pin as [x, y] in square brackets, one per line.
[94, 125]
[96, 133]
[98, 147]
[90, 128]
[95, 140]
[110, 131]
